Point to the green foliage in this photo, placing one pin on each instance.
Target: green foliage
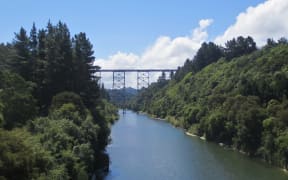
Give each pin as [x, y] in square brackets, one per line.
[21, 155]
[68, 97]
[7, 55]
[101, 115]
[68, 111]
[241, 102]
[22, 64]
[1, 114]
[207, 54]
[54, 61]
[282, 149]
[239, 47]
[73, 140]
[18, 104]
[48, 91]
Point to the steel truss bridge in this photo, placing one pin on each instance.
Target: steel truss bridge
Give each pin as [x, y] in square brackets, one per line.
[143, 76]
[119, 80]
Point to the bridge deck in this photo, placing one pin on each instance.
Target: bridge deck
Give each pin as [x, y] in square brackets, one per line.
[136, 70]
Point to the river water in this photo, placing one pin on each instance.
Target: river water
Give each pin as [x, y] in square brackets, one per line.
[148, 149]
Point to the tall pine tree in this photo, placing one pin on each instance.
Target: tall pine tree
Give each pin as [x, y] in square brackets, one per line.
[22, 64]
[84, 68]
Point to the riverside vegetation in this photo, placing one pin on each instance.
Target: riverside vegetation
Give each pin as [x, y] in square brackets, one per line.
[234, 95]
[54, 123]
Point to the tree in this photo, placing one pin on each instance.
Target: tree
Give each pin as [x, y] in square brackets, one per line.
[54, 64]
[68, 97]
[239, 47]
[22, 64]
[42, 44]
[85, 82]
[22, 156]
[33, 43]
[19, 106]
[207, 54]
[84, 54]
[182, 71]
[7, 57]
[283, 40]
[271, 43]
[162, 77]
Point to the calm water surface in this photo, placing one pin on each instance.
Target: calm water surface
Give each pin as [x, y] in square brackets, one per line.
[143, 148]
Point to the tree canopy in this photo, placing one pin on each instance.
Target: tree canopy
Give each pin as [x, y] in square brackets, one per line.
[53, 122]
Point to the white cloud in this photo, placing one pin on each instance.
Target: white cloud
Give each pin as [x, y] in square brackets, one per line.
[200, 33]
[266, 20]
[166, 52]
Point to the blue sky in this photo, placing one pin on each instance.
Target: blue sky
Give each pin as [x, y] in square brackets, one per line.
[150, 33]
[123, 25]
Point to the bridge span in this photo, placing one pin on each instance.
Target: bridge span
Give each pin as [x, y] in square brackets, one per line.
[143, 76]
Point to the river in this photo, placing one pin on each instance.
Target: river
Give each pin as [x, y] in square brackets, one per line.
[148, 149]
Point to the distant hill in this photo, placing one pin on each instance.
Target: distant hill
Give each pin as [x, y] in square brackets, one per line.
[119, 97]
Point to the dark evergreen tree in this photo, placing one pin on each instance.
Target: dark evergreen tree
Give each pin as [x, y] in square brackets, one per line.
[207, 54]
[59, 59]
[33, 43]
[85, 83]
[271, 43]
[41, 44]
[22, 64]
[7, 57]
[283, 40]
[238, 47]
[182, 71]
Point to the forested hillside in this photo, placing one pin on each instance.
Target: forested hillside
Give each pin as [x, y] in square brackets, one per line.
[53, 122]
[119, 97]
[235, 95]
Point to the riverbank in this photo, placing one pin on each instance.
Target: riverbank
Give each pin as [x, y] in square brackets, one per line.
[151, 116]
[173, 121]
[169, 120]
[194, 135]
[190, 132]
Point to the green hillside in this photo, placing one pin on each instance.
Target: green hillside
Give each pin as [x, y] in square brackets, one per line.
[239, 100]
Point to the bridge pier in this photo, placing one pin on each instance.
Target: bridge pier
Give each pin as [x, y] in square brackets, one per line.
[119, 80]
[119, 86]
[143, 78]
